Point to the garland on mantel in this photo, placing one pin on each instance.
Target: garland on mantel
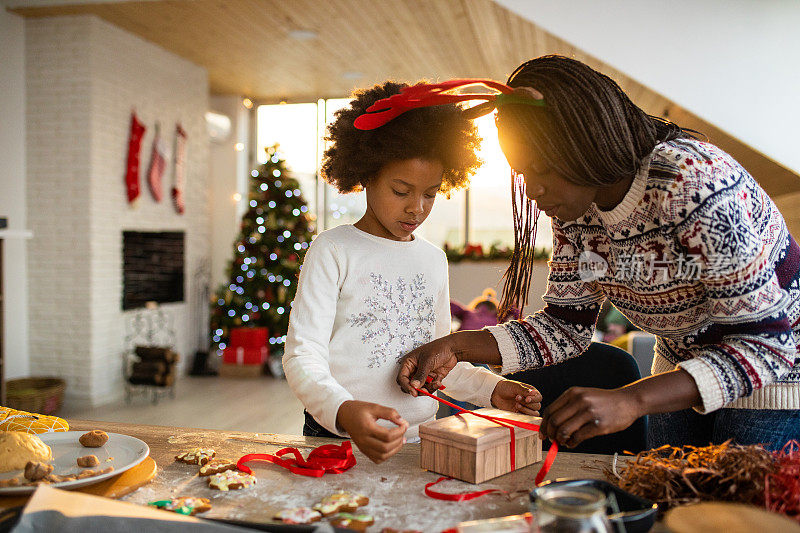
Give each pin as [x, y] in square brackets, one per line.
[496, 252]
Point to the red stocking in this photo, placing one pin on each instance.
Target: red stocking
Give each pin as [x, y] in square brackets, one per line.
[132, 167]
[180, 167]
[158, 161]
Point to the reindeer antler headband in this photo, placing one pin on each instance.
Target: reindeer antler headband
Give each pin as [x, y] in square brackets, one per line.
[425, 95]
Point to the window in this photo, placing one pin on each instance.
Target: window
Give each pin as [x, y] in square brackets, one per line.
[294, 128]
[339, 208]
[480, 215]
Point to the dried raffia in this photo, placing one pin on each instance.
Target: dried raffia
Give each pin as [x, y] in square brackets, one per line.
[673, 476]
[782, 487]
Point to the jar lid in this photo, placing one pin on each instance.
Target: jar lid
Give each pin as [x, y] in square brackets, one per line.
[569, 501]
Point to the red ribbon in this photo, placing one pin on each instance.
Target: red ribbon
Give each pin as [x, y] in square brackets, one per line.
[326, 459]
[505, 422]
[458, 497]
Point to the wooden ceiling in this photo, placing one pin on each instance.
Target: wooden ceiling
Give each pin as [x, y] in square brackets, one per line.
[248, 48]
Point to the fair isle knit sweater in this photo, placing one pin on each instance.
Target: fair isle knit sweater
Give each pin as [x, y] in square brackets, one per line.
[696, 254]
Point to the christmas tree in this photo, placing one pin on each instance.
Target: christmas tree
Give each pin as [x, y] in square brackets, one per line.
[275, 233]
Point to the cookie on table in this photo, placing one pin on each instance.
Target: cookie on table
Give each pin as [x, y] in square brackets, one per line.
[356, 522]
[341, 502]
[186, 505]
[216, 466]
[298, 515]
[93, 439]
[196, 456]
[230, 480]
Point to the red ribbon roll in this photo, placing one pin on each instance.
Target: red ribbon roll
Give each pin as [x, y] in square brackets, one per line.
[326, 459]
[505, 422]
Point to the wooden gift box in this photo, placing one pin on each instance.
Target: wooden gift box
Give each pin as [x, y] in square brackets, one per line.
[474, 449]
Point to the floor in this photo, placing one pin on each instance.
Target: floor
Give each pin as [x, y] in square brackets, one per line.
[261, 405]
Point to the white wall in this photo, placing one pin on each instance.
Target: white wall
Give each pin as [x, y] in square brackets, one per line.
[733, 63]
[228, 174]
[84, 77]
[12, 193]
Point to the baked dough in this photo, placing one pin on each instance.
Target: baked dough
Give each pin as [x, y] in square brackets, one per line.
[18, 448]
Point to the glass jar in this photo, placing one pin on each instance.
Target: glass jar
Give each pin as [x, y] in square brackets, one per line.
[570, 510]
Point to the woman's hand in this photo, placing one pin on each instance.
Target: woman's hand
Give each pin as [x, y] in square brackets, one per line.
[435, 359]
[518, 397]
[378, 443]
[582, 413]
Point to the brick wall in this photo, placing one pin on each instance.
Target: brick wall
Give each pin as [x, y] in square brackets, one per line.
[84, 76]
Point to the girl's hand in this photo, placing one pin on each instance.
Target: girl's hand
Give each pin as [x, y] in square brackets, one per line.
[582, 413]
[435, 359]
[378, 443]
[518, 397]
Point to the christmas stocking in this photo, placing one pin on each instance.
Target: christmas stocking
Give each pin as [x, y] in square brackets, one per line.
[158, 162]
[180, 167]
[132, 167]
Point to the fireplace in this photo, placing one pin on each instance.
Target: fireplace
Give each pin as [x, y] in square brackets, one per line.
[152, 268]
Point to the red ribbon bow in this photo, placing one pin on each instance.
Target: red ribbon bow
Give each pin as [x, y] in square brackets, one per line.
[326, 459]
[505, 422]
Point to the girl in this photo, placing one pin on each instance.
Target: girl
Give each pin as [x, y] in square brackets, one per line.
[678, 236]
[372, 291]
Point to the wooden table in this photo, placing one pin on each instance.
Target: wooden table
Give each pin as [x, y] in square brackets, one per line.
[395, 487]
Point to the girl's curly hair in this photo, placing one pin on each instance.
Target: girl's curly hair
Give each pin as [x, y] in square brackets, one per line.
[438, 133]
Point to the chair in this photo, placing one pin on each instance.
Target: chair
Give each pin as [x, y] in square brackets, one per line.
[601, 366]
[641, 346]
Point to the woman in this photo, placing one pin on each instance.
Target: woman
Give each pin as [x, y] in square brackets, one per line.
[677, 235]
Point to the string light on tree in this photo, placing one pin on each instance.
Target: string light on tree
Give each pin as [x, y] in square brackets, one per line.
[275, 233]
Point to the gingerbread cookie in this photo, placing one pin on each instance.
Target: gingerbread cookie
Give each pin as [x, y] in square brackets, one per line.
[196, 456]
[356, 522]
[298, 515]
[87, 461]
[185, 505]
[36, 470]
[217, 466]
[341, 502]
[94, 438]
[231, 480]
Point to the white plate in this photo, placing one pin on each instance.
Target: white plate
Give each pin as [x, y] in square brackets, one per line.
[121, 451]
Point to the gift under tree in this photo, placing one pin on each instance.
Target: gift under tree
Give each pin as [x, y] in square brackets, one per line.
[275, 233]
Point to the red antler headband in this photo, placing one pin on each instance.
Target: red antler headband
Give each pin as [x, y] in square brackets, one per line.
[425, 95]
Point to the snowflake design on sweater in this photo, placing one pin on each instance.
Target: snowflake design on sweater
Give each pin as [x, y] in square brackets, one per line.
[730, 230]
[399, 318]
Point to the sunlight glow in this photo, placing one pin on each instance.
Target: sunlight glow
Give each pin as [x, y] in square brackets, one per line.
[495, 171]
[295, 127]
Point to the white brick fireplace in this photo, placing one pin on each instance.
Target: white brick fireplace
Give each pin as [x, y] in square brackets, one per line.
[84, 76]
